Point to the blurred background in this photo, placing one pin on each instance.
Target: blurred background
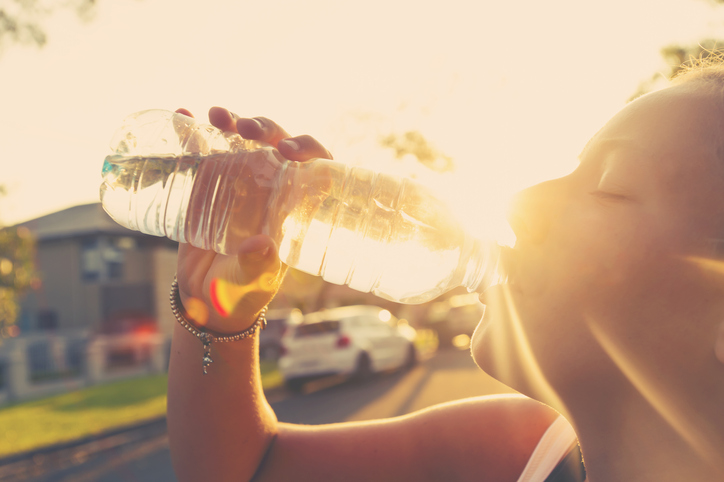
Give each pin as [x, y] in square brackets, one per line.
[476, 100]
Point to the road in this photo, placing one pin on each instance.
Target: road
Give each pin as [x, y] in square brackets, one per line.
[446, 375]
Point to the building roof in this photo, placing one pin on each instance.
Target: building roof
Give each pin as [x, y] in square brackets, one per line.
[75, 221]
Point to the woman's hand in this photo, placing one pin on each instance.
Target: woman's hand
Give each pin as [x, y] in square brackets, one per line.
[251, 278]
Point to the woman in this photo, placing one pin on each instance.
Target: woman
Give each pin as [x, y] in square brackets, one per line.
[613, 316]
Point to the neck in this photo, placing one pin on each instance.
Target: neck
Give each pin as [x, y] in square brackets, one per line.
[632, 440]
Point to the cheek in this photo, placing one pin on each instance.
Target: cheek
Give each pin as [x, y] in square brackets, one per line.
[597, 254]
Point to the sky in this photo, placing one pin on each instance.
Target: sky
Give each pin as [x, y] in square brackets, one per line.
[510, 90]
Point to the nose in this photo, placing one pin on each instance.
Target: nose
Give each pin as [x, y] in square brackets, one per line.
[533, 209]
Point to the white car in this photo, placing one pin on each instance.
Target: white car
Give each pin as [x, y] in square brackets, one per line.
[277, 323]
[350, 340]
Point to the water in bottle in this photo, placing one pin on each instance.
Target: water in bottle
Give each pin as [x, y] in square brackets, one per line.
[171, 176]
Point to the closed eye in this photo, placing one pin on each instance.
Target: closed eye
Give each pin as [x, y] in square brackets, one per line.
[606, 195]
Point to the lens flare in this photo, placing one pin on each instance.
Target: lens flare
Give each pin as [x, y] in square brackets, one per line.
[225, 295]
[535, 375]
[714, 267]
[677, 415]
[197, 311]
[461, 341]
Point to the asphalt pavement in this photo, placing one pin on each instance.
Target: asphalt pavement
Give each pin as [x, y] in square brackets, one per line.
[144, 456]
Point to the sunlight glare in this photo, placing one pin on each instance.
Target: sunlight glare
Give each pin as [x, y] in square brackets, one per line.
[713, 266]
[461, 341]
[225, 296]
[532, 371]
[197, 311]
[681, 419]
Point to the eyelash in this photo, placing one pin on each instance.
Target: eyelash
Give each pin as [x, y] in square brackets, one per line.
[608, 195]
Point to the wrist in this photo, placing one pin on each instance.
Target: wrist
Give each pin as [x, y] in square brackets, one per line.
[203, 315]
[206, 335]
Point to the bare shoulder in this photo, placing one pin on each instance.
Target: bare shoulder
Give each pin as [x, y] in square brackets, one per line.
[481, 439]
[486, 438]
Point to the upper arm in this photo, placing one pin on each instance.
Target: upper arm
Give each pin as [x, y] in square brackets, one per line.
[485, 438]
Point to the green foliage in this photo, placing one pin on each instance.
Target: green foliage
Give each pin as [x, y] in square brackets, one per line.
[16, 258]
[415, 144]
[21, 21]
[17, 273]
[677, 57]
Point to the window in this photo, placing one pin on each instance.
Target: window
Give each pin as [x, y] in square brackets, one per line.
[47, 320]
[322, 327]
[113, 258]
[90, 260]
[102, 258]
[39, 359]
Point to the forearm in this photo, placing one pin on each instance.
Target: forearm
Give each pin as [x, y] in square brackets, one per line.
[219, 424]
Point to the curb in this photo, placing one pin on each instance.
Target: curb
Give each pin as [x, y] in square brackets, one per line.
[51, 458]
[144, 429]
[146, 424]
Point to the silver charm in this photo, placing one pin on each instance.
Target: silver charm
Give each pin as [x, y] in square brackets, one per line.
[206, 360]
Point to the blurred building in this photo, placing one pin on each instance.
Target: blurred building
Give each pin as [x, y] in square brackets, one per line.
[95, 273]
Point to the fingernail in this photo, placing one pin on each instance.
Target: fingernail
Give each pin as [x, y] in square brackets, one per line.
[259, 123]
[292, 143]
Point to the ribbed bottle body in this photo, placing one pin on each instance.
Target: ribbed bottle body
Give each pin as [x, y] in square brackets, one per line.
[371, 231]
[149, 194]
[171, 176]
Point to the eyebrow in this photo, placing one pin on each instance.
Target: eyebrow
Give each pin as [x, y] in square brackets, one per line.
[604, 146]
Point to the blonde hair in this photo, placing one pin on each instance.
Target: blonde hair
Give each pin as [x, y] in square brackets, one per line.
[708, 72]
[709, 69]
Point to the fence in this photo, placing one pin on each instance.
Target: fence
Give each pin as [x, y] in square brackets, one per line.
[41, 364]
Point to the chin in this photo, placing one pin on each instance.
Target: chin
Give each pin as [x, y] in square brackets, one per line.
[492, 345]
[497, 348]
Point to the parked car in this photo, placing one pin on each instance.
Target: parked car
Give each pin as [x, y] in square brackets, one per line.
[351, 340]
[278, 322]
[459, 315]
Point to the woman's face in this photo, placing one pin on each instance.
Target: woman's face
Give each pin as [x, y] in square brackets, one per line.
[602, 269]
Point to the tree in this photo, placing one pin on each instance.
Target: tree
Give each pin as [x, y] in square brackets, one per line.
[21, 21]
[676, 58]
[16, 272]
[415, 144]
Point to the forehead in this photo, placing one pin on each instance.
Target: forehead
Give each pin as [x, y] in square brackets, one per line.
[675, 138]
[681, 121]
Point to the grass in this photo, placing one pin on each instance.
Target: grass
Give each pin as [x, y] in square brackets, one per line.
[69, 416]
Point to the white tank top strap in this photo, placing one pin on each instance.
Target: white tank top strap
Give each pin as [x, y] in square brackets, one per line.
[555, 443]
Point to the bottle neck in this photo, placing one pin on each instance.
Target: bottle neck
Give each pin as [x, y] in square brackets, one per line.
[483, 266]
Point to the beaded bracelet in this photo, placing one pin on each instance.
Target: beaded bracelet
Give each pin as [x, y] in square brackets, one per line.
[205, 336]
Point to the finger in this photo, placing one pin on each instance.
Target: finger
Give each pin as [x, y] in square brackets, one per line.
[185, 112]
[222, 119]
[261, 129]
[303, 148]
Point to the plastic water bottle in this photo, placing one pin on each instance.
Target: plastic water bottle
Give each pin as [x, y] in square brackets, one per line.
[171, 176]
